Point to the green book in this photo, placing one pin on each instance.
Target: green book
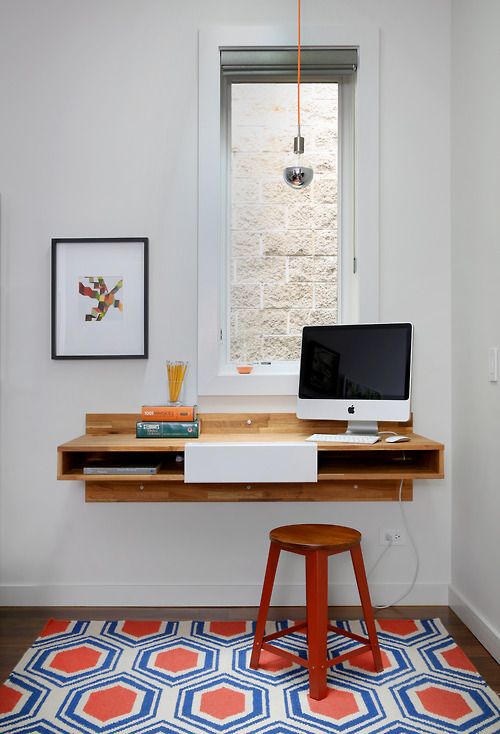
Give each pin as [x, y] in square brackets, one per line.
[167, 429]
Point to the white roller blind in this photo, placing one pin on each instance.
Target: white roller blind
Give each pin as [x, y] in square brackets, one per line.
[317, 64]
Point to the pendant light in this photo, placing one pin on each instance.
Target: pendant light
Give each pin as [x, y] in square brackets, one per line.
[298, 176]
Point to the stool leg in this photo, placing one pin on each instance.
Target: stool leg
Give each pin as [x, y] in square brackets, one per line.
[267, 590]
[364, 595]
[317, 621]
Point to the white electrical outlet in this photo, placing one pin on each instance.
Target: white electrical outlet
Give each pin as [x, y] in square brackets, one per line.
[391, 536]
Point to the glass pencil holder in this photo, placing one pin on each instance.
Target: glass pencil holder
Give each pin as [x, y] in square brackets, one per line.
[176, 372]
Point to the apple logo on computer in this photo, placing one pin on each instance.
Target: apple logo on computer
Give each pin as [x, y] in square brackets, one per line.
[350, 410]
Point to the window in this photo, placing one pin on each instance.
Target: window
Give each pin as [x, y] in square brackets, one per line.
[282, 246]
[277, 258]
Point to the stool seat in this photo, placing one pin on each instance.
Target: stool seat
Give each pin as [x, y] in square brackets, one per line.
[332, 538]
[316, 543]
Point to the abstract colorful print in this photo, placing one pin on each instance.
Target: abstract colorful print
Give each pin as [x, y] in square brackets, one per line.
[98, 290]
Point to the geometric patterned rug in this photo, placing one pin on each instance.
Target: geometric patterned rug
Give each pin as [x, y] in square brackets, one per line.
[150, 677]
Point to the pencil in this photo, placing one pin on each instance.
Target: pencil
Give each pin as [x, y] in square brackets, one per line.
[175, 372]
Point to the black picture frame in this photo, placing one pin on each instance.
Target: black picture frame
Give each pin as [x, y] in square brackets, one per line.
[126, 334]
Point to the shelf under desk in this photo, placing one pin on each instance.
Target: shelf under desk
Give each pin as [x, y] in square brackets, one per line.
[350, 472]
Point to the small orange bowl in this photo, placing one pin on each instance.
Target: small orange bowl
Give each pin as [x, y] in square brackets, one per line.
[244, 369]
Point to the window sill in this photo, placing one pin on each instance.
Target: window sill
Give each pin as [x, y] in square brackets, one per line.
[275, 379]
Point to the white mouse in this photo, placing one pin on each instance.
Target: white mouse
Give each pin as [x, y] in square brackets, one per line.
[396, 439]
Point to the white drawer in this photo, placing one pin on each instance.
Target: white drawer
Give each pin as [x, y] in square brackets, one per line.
[250, 462]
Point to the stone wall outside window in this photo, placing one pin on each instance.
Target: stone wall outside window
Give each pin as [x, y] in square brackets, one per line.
[283, 243]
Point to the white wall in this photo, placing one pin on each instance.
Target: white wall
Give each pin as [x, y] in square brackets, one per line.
[99, 138]
[475, 590]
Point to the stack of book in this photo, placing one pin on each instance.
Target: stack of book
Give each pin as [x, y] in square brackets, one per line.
[168, 421]
[101, 465]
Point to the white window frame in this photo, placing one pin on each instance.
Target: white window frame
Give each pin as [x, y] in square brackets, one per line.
[360, 226]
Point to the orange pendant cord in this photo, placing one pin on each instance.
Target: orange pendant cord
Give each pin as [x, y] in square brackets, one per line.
[298, 65]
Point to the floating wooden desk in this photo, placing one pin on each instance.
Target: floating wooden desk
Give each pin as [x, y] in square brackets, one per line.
[345, 472]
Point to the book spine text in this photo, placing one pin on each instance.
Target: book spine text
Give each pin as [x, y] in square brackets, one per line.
[167, 429]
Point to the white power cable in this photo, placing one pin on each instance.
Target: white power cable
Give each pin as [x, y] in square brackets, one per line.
[413, 544]
[381, 555]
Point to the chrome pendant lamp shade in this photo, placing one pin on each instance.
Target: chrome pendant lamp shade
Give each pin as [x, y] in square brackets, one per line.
[298, 175]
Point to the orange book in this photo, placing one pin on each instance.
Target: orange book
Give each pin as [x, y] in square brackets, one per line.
[168, 412]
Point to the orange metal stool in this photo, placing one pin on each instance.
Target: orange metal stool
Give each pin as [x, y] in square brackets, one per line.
[316, 543]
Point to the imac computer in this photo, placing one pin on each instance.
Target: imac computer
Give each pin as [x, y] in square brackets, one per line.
[356, 372]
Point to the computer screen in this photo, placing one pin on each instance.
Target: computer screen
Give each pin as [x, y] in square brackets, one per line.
[356, 372]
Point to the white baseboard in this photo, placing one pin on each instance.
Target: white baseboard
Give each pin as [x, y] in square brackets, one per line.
[478, 625]
[233, 595]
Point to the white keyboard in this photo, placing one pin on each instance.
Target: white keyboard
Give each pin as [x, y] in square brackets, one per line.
[342, 438]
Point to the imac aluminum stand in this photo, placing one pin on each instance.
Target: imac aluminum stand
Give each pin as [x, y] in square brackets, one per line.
[363, 428]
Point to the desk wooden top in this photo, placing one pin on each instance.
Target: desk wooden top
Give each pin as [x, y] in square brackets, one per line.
[128, 442]
[116, 432]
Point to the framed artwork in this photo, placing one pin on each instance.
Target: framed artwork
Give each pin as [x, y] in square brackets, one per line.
[100, 298]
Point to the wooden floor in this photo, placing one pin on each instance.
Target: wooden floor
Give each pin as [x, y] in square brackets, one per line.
[19, 626]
